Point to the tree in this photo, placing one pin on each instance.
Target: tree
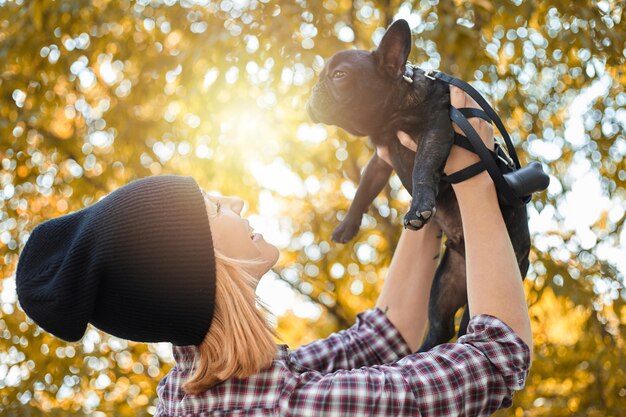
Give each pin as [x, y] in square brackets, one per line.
[99, 93]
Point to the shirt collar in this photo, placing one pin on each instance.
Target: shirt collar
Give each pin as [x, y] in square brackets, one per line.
[185, 356]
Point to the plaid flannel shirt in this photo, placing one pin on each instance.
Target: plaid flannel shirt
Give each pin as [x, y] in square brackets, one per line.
[366, 370]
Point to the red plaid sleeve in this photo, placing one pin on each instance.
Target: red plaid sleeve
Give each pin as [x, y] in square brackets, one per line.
[372, 340]
[475, 376]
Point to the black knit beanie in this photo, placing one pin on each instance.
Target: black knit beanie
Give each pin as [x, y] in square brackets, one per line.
[138, 264]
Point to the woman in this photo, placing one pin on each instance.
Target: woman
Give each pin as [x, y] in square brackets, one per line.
[145, 264]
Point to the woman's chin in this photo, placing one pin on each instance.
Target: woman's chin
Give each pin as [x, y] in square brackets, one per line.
[270, 252]
[276, 254]
[270, 255]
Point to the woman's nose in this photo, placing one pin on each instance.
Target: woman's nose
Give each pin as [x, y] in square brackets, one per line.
[235, 203]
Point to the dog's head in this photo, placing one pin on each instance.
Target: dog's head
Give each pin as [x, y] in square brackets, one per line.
[356, 87]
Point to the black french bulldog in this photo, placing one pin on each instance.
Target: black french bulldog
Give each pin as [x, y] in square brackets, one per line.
[364, 93]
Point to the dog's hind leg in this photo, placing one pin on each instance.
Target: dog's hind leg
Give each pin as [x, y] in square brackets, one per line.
[447, 295]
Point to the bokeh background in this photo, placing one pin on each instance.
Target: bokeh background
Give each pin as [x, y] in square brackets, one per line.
[97, 93]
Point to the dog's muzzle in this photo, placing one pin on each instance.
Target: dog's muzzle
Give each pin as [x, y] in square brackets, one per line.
[311, 112]
[321, 105]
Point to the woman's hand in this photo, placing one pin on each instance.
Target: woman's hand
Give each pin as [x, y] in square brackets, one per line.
[460, 158]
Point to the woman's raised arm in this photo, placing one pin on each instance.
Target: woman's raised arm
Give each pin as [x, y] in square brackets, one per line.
[406, 290]
[494, 284]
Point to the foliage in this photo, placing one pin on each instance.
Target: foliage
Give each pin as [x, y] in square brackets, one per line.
[101, 92]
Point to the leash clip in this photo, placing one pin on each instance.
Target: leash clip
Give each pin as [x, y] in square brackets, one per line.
[503, 156]
[507, 161]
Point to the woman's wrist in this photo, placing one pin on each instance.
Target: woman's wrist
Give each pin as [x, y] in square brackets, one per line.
[476, 185]
[477, 196]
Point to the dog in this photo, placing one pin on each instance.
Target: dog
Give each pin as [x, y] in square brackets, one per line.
[364, 93]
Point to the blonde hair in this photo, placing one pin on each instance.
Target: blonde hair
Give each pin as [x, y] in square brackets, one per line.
[240, 340]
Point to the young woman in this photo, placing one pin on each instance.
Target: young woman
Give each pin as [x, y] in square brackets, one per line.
[161, 260]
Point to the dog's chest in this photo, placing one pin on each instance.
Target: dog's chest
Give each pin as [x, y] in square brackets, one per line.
[401, 156]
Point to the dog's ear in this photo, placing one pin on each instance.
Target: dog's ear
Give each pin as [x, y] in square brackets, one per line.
[394, 48]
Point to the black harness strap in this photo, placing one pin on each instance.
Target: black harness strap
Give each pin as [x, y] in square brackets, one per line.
[474, 112]
[462, 141]
[482, 103]
[473, 143]
[514, 184]
[465, 173]
[486, 157]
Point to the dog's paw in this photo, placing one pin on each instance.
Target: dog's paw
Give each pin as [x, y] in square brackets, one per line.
[415, 220]
[421, 211]
[345, 231]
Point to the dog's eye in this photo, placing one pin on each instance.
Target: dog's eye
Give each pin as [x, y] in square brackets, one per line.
[338, 75]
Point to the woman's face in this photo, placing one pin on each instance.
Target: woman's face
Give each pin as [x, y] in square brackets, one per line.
[233, 236]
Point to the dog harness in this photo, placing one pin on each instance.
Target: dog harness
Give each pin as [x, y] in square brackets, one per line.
[513, 183]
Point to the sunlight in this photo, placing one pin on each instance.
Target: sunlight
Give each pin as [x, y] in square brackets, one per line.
[279, 178]
[247, 126]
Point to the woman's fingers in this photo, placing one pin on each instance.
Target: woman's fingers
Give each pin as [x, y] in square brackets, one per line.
[457, 96]
[406, 140]
[459, 99]
[482, 127]
[485, 130]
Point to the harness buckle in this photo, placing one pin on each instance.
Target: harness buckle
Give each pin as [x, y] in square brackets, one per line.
[500, 154]
[408, 73]
[429, 73]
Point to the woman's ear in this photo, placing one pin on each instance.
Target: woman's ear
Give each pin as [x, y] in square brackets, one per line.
[394, 48]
